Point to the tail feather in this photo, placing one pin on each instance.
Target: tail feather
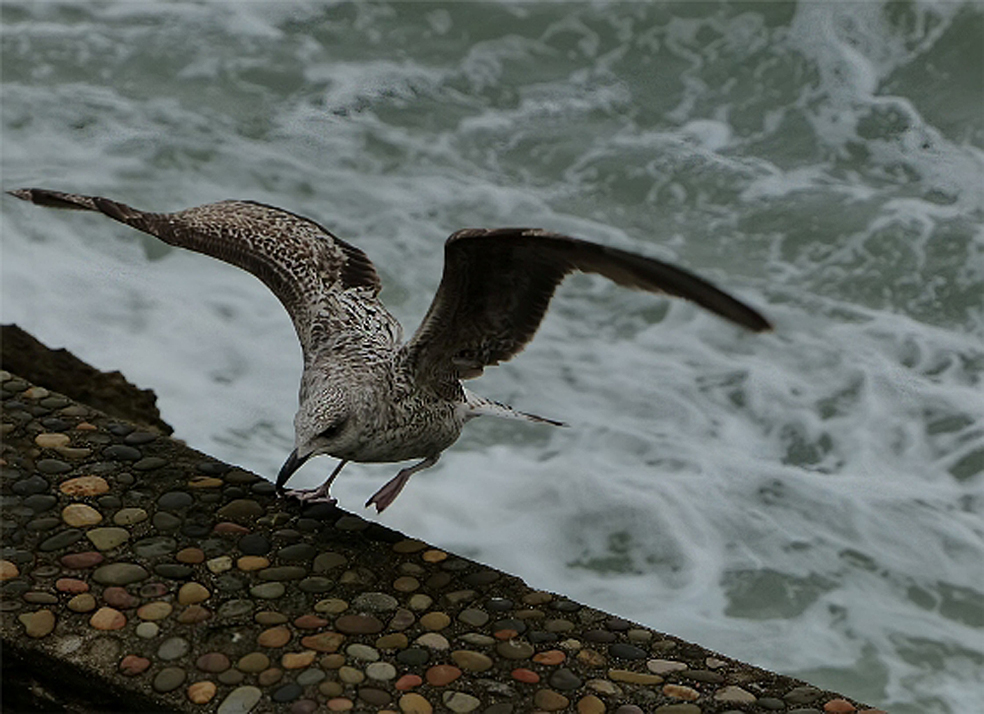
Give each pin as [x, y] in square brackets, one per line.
[480, 406]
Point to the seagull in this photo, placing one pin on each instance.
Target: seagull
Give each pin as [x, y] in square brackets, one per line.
[366, 395]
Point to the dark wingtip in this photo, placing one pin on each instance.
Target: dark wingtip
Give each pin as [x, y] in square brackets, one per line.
[23, 194]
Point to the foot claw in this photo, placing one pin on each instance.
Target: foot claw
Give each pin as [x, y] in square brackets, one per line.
[309, 496]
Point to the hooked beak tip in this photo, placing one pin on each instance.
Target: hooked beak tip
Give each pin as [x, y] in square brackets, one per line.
[291, 465]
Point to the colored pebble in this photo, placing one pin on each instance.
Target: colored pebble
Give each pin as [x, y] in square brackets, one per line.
[590, 704]
[249, 563]
[734, 695]
[434, 641]
[119, 598]
[132, 665]
[71, 585]
[108, 538]
[323, 642]
[173, 648]
[241, 700]
[52, 441]
[514, 649]
[550, 657]
[435, 621]
[549, 700]
[147, 630]
[201, 692]
[219, 564]
[521, 674]
[8, 570]
[460, 703]
[253, 662]
[129, 516]
[83, 486]
[839, 706]
[358, 624]
[268, 591]
[442, 674]
[413, 703]
[340, 704]
[154, 610]
[193, 593]
[80, 514]
[298, 660]
[119, 574]
[107, 618]
[169, 679]
[408, 681]
[630, 677]
[270, 676]
[471, 661]
[664, 666]
[191, 556]
[38, 624]
[274, 637]
[381, 671]
[310, 622]
[84, 602]
[213, 662]
[679, 691]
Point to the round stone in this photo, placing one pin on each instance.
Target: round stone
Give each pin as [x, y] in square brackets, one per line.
[191, 556]
[270, 617]
[630, 677]
[52, 466]
[119, 574]
[392, 641]
[253, 662]
[323, 642]
[298, 660]
[434, 641]
[435, 621]
[549, 700]
[155, 546]
[442, 674]
[590, 704]
[241, 509]
[679, 691]
[310, 622]
[60, 540]
[625, 651]
[514, 649]
[310, 676]
[373, 696]
[287, 693]
[249, 563]
[169, 679]
[254, 544]
[413, 703]
[326, 561]
[477, 639]
[358, 624]
[283, 572]
[38, 624]
[213, 662]
[79, 514]
[240, 701]
[315, 584]
[132, 665]
[376, 602]
[351, 675]
[406, 584]
[71, 585]
[408, 681]
[401, 620]
[473, 617]
[704, 675]
[119, 598]
[108, 538]
[301, 552]
[164, 521]
[564, 680]
[800, 695]
[268, 591]
[665, 666]
[201, 692]
[129, 516]
[460, 703]
[173, 648]
[550, 657]
[150, 463]
[147, 630]
[274, 637]
[331, 605]
[382, 671]
[175, 500]
[84, 602]
[471, 661]
[521, 674]
[332, 661]
[8, 570]
[414, 656]
[107, 618]
[193, 614]
[362, 652]
[52, 441]
[219, 565]
[121, 452]
[191, 593]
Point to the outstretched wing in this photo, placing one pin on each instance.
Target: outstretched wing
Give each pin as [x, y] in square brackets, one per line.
[497, 285]
[300, 261]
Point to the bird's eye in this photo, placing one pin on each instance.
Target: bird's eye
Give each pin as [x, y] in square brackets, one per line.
[332, 431]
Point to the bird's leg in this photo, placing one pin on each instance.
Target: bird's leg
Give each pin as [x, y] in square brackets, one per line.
[391, 489]
[321, 494]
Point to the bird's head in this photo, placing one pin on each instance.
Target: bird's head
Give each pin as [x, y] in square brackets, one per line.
[322, 425]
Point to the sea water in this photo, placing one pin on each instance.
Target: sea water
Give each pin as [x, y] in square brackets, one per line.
[808, 500]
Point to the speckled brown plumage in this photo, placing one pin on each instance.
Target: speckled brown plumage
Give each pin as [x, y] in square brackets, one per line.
[365, 394]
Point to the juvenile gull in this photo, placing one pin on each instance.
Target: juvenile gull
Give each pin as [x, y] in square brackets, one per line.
[366, 395]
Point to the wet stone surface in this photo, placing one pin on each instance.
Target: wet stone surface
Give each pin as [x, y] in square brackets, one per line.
[189, 583]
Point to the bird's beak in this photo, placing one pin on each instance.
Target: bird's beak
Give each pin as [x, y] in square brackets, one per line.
[291, 465]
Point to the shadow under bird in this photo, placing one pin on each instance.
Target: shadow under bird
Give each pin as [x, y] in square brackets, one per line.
[366, 395]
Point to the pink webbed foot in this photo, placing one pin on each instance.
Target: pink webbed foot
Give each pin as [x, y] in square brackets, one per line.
[391, 489]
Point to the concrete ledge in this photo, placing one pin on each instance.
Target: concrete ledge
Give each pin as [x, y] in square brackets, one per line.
[141, 575]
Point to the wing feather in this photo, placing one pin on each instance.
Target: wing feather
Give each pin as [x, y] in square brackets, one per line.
[498, 283]
[299, 260]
